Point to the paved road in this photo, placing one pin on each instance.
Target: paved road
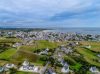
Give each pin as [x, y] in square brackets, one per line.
[44, 69]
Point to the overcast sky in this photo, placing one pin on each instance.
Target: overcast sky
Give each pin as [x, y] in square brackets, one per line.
[50, 13]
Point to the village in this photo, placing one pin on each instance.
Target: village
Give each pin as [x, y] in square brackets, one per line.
[49, 53]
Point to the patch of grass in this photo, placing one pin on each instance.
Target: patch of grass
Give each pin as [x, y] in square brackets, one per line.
[19, 72]
[69, 59]
[39, 45]
[44, 44]
[6, 55]
[76, 67]
[95, 46]
[89, 56]
[23, 55]
[2, 62]
[9, 40]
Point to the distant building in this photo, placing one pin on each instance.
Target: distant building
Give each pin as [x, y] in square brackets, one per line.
[88, 46]
[1, 69]
[94, 70]
[25, 63]
[9, 66]
[27, 67]
[65, 68]
[98, 55]
[50, 71]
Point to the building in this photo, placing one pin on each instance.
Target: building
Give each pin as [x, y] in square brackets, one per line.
[65, 68]
[27, 67]
[9, 66]
[50, 71]
[94, 70]
[1, 69]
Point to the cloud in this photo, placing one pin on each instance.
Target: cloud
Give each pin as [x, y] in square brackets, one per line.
[50, 12]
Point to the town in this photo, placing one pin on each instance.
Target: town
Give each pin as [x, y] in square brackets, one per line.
[42, 52]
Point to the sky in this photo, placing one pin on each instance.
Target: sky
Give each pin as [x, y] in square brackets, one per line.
[49, 13]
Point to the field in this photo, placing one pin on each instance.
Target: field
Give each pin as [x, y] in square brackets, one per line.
[90, 55]
[6, 55]
[39, 45]
[25, 73]
[9, 40]
[95, 46]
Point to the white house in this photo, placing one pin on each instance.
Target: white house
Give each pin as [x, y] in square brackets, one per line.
[25, 63]
[50, 71]
[88, 46]
[9, 66]
[65, 68]
[29, 68]
[1, 69]
[94, 70]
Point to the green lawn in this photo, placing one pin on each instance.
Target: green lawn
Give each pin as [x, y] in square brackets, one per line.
[7, 54]
[74, 65]
[88, 55]
[25, 73]
[39, 45]
[44, 44]
[9, 40]
[95, 46]
[22, 55]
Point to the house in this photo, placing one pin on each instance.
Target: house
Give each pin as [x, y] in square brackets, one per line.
[45, 51]
[9, 66]
[94, 70]
[65, 68]
[98, 55]
[50, 71]
[1, 69]
[88, 46]
[27, 67]
[16, 45]
[25, 63]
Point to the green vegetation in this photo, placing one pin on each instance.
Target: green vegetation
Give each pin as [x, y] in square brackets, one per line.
[88, 55]
[25, 73]
[95, 46]
[74, 65]
[6, 55]
[9, 40]
[40, 45]
[44, 44]
[23, 55]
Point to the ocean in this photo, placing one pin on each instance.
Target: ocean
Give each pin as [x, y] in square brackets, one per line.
[77, 30]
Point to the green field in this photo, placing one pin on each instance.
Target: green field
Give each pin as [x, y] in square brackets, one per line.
[39, 45]
[9, 40]
[6, 55]
[95, 46]
[89, 56]
[25, 73]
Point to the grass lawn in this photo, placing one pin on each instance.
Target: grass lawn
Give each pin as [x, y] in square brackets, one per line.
[68, 58]
[23, 55]
[88, 55]
[76, 67]
[95, 46]
[2, 62]
[74, 64]
[25, 73]
[39, 45]
[9, 40]
[7, 54]
[44, 44]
